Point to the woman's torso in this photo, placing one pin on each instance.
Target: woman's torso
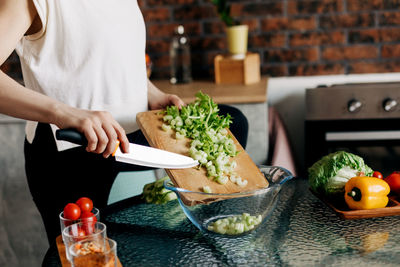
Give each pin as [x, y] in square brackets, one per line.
[90, 55]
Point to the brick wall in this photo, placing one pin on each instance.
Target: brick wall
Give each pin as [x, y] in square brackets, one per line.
[293, 37]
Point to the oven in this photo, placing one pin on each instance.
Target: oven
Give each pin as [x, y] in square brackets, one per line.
[363, 119]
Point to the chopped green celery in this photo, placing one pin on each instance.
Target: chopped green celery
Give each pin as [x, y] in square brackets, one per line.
[167, 118]
[239, 228]
[182, 132]
[223, 131]
[188, 121]
[222, 179]
[196, 143]
[170, 196]
[166, 127]
[235, 225]
[233, 164]
[179, 136]
[203, 160]
[201, 122]
[221, 229]
[179, 121]
[241, 182]
[233, 178]
[211, 171]
[207, 189]
[192, 151]
[164, 190]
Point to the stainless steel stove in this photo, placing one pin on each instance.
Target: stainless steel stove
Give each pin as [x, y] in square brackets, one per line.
[360, 118]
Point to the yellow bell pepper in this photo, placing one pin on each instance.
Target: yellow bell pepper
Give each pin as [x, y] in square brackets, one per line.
[366, 193]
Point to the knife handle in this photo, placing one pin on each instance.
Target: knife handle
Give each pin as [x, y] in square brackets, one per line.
[76, 137]
[71, 135]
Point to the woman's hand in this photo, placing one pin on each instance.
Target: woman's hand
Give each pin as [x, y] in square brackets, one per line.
[158, 99]
[99, 127]
[165, 100]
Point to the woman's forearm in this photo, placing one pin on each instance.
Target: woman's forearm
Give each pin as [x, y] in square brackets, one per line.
[21, 102]
[152, 91]
[99, 127]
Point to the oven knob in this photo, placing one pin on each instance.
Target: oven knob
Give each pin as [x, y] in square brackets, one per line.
[389, 104]
[354, 105]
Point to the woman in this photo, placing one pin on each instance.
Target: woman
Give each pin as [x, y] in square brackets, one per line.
[83, 65]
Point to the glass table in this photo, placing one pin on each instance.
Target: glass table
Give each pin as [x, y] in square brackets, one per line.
[301, 231]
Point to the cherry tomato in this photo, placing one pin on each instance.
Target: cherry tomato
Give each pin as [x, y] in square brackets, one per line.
[377, 175]
[394, 182]
[88, 220]
[78, 232]
[85, 203]
[72, 211]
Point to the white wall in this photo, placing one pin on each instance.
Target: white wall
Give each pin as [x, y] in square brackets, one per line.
[287, 94]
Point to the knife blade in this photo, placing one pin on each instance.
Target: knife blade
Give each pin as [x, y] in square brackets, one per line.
[138, 154]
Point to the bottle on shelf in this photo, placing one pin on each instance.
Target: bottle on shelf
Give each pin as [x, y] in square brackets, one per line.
[180, 57]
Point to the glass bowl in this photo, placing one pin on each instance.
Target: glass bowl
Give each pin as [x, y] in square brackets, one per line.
[234, 209]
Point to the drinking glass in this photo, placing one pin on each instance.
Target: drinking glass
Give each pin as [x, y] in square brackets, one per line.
[67, 222]
[93, 252]
[81, 231]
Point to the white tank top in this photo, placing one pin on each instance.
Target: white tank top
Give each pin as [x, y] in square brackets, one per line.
[89, 54]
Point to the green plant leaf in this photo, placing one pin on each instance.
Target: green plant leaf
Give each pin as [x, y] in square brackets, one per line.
[224, 11]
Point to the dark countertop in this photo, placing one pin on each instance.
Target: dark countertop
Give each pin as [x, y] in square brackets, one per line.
[301, 231]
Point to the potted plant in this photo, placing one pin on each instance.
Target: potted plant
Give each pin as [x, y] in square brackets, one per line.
[237, 34]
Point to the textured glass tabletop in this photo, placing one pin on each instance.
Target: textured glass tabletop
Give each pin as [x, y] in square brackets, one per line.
[302, 231]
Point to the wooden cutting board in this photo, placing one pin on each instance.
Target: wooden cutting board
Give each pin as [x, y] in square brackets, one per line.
[195, 178]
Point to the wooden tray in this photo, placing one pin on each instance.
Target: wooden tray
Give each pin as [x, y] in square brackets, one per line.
[63, 258]
[341, 209]
[194, 179]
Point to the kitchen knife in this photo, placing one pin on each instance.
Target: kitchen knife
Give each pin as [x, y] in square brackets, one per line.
[138, 154]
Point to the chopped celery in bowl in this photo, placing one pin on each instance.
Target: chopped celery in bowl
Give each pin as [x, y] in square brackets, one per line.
[234, 214]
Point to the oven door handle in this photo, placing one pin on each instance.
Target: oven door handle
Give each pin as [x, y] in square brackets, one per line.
[362, 136]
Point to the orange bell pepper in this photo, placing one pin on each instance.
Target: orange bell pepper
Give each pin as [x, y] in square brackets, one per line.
[366, 193]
